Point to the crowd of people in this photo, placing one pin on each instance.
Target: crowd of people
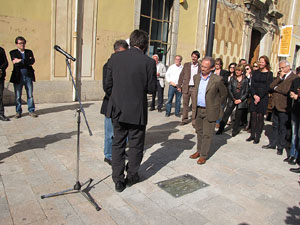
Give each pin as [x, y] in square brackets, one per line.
[218, 97]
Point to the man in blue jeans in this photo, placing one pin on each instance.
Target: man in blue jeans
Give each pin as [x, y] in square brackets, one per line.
[119, 46]
[172, 76]
[23, 75]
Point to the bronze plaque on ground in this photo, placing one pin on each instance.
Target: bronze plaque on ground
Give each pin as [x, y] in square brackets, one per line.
[182, 185]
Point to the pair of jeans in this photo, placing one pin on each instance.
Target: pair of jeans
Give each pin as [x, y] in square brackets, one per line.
[108, 137]
[173, 91]
[295, 145]
[27, 82]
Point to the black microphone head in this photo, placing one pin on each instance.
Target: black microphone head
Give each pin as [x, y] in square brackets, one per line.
[56, 47]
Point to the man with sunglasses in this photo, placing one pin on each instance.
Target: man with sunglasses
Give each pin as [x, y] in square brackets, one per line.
[23, 75]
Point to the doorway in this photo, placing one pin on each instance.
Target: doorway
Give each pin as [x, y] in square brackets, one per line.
[255, 46]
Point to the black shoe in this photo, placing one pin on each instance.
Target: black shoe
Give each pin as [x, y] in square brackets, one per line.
[120, 186]
[177, 115]
[292, 161]
[279, 151]
[131, 181]
[220, 131]
[107, 161]
[151, 109]
[268, 146]
[159, 110]
[256, 141]
[4, 118]
[167, 115]
[234, 133]
[250, 138]
[295, 170]
[287, 159]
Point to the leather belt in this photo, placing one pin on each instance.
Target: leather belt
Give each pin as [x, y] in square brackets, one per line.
[201, 107]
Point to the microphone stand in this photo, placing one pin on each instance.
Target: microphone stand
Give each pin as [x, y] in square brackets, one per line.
[78, 185]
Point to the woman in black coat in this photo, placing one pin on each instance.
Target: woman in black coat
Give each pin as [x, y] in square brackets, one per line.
[260, 86]
[238, 91]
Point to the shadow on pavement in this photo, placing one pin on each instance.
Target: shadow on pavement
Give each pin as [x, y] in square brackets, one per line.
[159, 134]
[36, 142]
[218, 141]
[58, 108]
[293, 216]
[170, 151]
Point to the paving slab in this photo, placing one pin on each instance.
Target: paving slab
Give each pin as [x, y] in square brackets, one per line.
[247, 184]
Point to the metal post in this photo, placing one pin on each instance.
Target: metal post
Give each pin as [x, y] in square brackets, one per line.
[211, 30]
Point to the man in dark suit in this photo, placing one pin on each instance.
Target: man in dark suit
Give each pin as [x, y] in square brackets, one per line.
[3, 66]
[23, 75]
[210, 94]
[281, 107]
[186, 85]
[130, 75]
[119, 45]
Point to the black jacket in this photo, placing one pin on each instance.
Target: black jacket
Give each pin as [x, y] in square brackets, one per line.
[244, 92]
[131, 75]
[3, 64]
[106, 96]
[28, 62]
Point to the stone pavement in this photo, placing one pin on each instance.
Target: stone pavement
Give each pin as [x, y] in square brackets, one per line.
[247, 185]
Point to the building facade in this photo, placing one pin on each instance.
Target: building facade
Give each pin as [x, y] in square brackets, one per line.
[87, 30]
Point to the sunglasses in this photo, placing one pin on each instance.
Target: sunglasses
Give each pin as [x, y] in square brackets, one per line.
[255, 65]
[232, 67]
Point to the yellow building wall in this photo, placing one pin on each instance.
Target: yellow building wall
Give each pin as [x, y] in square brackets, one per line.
[228, 34]
[32, 20]
[188, 21]
[115, 21]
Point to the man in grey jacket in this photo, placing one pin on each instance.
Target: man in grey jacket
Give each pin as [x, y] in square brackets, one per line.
[161, 71]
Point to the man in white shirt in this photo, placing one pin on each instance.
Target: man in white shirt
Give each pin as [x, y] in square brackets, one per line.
[186, 85]
[172, 77]
[160, 84]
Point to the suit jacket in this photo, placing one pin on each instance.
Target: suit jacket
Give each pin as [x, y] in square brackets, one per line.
[224, 75]
[131, 75]
[104, 85]
[185, 76]
[28, 62]
[161, 69]
[3, 64]
[280, 98]
[216, 93]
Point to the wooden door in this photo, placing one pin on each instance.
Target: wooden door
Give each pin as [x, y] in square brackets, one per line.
[255, 45]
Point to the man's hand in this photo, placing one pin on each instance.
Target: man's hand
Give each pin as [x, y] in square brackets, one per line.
[179, 89]
[293, 95]
[158, 74]
[16, 61]
[282, 75]
[173, 84]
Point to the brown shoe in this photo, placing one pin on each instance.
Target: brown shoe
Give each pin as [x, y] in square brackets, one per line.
[201, 160]
[195, 155]
[182, 123]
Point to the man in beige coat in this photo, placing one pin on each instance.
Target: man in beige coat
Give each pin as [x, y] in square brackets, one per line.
[210, 95]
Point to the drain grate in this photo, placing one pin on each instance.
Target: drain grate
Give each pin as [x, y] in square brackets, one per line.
[182, 185]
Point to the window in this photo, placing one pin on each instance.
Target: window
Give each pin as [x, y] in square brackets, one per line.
[156, 21]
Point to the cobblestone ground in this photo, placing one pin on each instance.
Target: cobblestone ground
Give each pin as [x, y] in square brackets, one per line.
[247, 185]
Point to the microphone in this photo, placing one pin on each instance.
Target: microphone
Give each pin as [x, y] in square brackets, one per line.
[59, 49]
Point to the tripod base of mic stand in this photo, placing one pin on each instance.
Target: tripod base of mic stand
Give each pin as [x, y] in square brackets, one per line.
[77, 188]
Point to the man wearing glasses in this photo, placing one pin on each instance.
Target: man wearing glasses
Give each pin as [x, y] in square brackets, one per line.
[23, 75]
[281, 106]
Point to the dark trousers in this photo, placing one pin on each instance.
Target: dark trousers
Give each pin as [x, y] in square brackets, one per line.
[239, 115]
[1, 97]
[257, 125]
[279, 128]
[136, 139]
[205, 131]
[160, 97]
